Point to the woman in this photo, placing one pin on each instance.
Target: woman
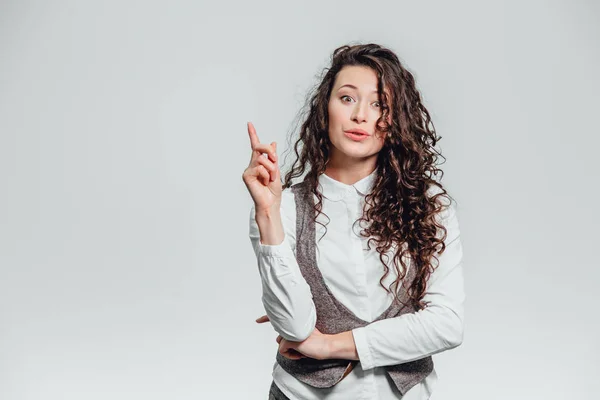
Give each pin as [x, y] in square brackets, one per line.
[357, 320]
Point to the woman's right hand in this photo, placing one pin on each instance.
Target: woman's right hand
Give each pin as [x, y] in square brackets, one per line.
[262, 177]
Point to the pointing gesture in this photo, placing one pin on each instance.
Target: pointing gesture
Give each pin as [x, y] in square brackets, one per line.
[262, 177]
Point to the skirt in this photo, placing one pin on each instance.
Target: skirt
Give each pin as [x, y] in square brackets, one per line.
[275, 393]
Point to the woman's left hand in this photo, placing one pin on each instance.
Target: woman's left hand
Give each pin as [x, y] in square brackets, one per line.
[317, 345]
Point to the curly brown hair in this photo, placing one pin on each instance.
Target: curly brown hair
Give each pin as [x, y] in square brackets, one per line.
[398, 211]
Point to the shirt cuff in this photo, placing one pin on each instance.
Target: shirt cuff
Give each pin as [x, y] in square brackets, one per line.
[362, 347]
[282, 250]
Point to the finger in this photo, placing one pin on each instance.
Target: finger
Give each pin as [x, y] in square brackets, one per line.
[292, 354]
[253, 136]
[276, 162]
[272, 167]
[274, 144]
[286, 351]
[264, 174]
[261, 173]
[262, 319]
[286, 348]
[298, 354]
[260, 148]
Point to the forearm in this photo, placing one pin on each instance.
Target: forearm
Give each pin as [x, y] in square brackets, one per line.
[380, 344]
[408, 337]
[343, 345]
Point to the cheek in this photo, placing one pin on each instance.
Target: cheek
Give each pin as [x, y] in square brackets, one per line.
[379, 140]
[334, 115]
[340, 112]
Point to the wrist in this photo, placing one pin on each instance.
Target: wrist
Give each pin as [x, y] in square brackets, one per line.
[268, 213]
[342, 346]
[270, 226]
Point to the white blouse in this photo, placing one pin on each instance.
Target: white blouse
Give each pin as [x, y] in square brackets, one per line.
[352, 273]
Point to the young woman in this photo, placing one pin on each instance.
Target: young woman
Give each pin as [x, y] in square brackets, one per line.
[360, 263]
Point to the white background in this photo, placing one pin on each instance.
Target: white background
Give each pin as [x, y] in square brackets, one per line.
[126, 270]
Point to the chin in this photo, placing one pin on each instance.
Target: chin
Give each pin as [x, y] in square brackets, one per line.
[354, 151]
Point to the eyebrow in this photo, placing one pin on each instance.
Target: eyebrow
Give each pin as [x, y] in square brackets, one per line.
[353, 87]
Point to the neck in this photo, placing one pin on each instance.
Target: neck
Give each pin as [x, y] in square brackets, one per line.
[350, 173]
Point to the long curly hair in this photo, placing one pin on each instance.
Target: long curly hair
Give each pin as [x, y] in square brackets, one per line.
[398, 211]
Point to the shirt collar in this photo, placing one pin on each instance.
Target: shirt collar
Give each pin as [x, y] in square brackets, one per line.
[335, 190]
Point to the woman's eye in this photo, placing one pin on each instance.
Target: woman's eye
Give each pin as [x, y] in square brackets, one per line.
[343, 98]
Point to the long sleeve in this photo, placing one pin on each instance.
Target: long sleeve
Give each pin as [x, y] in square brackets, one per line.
[436, 328]
[287, 297]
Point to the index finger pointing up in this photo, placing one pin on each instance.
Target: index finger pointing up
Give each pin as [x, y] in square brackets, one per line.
[253, 136]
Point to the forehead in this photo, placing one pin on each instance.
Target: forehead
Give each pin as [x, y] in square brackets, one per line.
[364, 78]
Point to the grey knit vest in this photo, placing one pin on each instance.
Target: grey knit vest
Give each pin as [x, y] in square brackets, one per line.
[333, 317]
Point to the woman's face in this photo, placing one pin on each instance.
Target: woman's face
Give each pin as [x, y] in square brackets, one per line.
[354, 105]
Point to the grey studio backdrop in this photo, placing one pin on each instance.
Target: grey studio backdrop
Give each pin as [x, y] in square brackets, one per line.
[126, 271]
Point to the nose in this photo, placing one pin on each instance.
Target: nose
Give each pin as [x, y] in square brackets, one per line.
[359, 114]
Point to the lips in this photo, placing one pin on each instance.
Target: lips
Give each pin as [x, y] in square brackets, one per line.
[357, 137]
[358, 132]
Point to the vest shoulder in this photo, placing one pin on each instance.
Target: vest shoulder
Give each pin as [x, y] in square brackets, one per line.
[298, 188]
[299, 185]
[288, 201]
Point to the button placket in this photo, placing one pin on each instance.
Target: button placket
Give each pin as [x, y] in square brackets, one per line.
[357, 252]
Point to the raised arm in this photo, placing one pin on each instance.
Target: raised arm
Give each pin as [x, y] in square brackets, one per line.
[286, 295]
